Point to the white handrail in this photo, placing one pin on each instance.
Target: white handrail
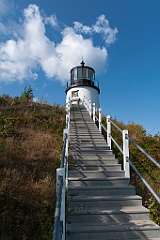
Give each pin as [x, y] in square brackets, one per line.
[144, 152]
[59, 231]
[125, 151]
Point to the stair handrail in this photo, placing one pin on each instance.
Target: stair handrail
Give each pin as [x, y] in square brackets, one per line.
[59, 230]
[144, 152]
[125, 151]
[130, 162]
[136, 145]
[120, 149]
[134, 167]
[88, 104]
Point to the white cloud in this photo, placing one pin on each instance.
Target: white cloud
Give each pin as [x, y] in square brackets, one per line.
[79, 27]
[6, 7]
[3, 7]
[52, 20]
[31, 49]
[3, 28]
[6, 10]
[102, 26]
[74, 46]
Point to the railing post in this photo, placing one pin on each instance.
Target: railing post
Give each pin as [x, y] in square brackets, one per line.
[83, 101]
[88, 105]
[68, 113]
[94, 112]
[66, 131]
[100, 119]
[67, 120]
[90, 108]
[61, 174]
[126, 166]
[63, 207]
[108, 130]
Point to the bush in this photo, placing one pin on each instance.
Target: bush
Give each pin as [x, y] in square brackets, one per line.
[30, 151]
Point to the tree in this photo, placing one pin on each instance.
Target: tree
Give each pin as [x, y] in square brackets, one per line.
[27, 94]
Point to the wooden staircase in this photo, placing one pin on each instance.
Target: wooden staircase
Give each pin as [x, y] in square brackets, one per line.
[101, 204]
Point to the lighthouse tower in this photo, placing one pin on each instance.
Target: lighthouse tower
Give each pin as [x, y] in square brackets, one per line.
[82, 85]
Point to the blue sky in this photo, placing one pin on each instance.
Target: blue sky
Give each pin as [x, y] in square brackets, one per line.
[40, 41]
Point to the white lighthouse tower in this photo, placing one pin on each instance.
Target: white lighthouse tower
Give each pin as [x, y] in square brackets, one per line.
[82, 85]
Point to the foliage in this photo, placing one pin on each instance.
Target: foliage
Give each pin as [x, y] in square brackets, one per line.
[5, 99]
[27, 94]
[30, 151]
[154, 208]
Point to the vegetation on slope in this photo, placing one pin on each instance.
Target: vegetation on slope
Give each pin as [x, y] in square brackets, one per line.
[30, 151]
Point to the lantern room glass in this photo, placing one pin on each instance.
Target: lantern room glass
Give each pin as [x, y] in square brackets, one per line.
[79, 73]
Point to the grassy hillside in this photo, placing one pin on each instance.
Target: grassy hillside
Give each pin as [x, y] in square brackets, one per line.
[30, 151]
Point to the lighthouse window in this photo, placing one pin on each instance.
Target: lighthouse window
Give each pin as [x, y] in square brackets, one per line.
[75, 94]
[86, 73]
[75, 73]
[79, 73]
[90, 74]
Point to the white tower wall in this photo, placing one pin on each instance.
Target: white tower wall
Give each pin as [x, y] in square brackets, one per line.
[83, 92]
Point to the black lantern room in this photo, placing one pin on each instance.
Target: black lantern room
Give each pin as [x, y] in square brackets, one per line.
[82, 76]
